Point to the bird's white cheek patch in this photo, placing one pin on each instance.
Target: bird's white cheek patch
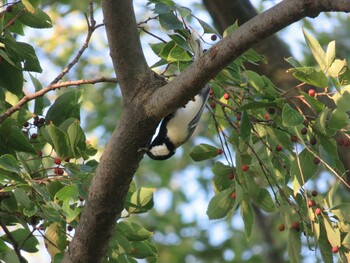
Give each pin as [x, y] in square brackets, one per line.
[160, 150]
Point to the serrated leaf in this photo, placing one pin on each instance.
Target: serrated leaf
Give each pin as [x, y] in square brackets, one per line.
[220, 204]
[336, 68]
[247, 216]
[65, 106]
[169, 21]
[203, 152]
[302, 169]
[342, 98]
[11, 78]
[311, 76]
[339, 119]
[206, 27]
[245, 126]
[294, 246]
[9, 163]
[291, 117]
[316, 50]
[58, 139]
[133, 231]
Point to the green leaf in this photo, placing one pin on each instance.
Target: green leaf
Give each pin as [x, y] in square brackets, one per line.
[247, 216]
[291, 117]
[161, 8]
[330, 54]
[333, 233]
[245, 127]
[133, 231]
[311, 76]
[183, 11]
[336, 68]
[58, 139]
[339, 119]
[255, 80]
[206, 27]
[203, 152]
[263, 199]
[169, 21]
[177, 53]
[140, 201]
[77, 139]
[293, 62]
[17, 141]
[220, 204]
[316, 50]
[11, 78]
[38, 19]
[9, 163]
[294, 246]
[55, 239]
[302, 169]
[29, 6]
[69, 192]
[26, 241]
[317, 105]
[223, 175]
[143, 249]
[66, 106]
[39, 102]
[342, 98]
[22, 197]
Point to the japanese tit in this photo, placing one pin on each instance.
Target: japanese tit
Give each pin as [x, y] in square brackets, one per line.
[177, 127]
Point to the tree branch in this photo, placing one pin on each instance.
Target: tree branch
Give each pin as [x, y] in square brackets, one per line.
[13, 243]
[171, 96]
[51, 87]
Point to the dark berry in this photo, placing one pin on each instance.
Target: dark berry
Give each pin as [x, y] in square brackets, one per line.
[238, 116]
[316, 160]
[34, 136]
[67, 159]
[60, 171]
[294, 138]
[279, 148]
[314, 193]
[231, 176]
[281, 227]
[212, 104]
[56, 170]
[40, 153]
[211, 92]
[303, 131]
[313, 141]
[296, 226]
[219, 151]
[9, 9]
[26, 124]
[36, 122]
[271, 110]
[41, 120]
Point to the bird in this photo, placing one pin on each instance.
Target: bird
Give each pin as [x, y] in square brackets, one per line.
[177, 127]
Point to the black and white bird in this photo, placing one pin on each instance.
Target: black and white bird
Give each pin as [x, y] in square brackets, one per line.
[177, 128]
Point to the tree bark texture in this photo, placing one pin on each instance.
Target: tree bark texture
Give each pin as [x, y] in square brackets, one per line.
[147, 100]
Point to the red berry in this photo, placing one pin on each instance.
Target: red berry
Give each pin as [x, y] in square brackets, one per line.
[314, 193]
[219, 151]
[318, 211]
[34, 136]
[214, 37]
[226, 96]
[303, 131]
[40, 153]
[281, 227]
[233, 195]
[311, 203]
[316, 160]
[56, 170]
[341, 141]
[245, 167]
[212, 104]
[312, 92]
[60, 171]
[294, 138]
[335, 249]
[296, 226]
[57, 161]
[211, 92]
[231, 176]
[266, 116]
[279, 148]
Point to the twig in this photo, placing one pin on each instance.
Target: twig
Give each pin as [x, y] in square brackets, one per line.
[51, 87]
[13, 243]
